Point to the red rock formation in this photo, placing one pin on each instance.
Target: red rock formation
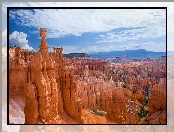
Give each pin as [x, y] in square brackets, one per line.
[158, 117]
[31, 105]
[71, 101]
[18, 74]
[58, 90]
[41, 76]
[157, 100]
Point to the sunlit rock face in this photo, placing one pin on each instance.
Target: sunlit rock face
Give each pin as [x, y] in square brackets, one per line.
[157, 100]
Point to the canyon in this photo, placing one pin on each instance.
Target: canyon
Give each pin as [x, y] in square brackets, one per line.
[48, 88]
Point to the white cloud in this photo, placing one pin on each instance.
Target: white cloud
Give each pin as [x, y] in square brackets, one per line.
[4, 37]
[34, 32]
[129, 46]
[75, 22]
[19, 39]
[94, 49]
[71, 49]
[152, 30]
[150, 46]
[169, 5]
[66, 49]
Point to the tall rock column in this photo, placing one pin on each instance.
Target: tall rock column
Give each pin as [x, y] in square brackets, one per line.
[157, 101]
[31, 105]
[58, 67]
[42, 78]
[71, 101]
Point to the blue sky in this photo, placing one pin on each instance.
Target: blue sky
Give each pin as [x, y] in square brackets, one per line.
[90, 31]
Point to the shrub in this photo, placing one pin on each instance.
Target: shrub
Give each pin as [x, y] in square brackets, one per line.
[97, 112]
[142, 113]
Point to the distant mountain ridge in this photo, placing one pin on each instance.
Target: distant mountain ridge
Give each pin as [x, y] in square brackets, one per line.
[133, 54]
[73, 55]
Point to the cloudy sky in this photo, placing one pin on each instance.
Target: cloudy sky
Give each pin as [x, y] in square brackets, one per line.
[90, 30]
